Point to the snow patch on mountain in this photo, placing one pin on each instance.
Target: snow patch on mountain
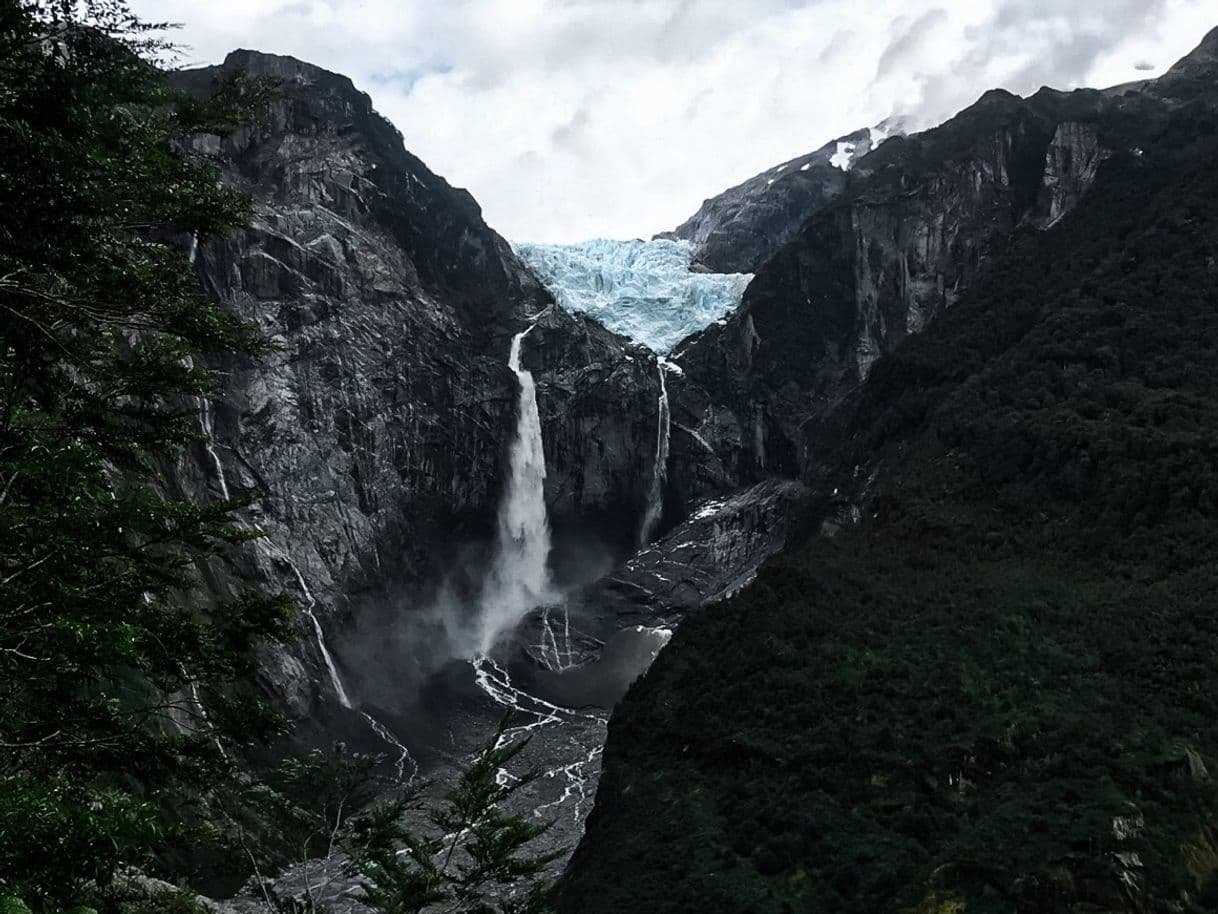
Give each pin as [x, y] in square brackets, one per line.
[844, 157]
[643, 290]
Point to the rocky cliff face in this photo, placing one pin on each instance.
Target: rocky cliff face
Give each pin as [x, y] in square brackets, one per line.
[375, 438]
[738, 230]
[915, 224]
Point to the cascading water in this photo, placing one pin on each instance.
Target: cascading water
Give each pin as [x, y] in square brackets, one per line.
[555, 648]
[340, 690]
[649, 292]
[519, 578]
[335, 680]
[659, 474]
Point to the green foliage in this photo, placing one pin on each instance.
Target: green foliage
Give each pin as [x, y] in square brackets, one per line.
[119, 697]
[136, 895]
[887, 732]
[257, 826]
[997, 692]
[1067, 403]
[473, 850]
[302, 807]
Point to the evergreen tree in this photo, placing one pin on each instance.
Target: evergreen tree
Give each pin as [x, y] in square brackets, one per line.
[473, 852]
[120, 699]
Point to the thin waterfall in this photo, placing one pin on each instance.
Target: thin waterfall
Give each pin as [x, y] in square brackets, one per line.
[519, 578]
[336, 681]
[659, 474]
[207, 432]
[207, 423]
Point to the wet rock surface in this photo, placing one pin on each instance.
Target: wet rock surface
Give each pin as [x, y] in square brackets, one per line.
[561, 672]
[714, 553]
[376, 437]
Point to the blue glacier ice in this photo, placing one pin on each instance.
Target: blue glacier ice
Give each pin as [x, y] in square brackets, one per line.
[643, 290]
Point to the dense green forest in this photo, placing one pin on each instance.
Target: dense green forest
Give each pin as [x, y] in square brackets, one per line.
[999, 690]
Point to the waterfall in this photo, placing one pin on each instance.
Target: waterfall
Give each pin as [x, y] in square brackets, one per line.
[659, 474]
[207, 430]
[519, 579]
[336, 681]
[207, 423]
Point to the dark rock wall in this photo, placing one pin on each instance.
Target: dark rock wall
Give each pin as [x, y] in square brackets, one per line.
[376, 436]
[916, 223]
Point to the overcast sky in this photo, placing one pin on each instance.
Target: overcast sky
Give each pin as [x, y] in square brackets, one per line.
[572, 119]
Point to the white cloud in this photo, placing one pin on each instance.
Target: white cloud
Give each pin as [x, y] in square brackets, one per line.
[570, 119]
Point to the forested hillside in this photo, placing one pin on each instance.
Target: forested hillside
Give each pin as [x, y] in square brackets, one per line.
[996, 687]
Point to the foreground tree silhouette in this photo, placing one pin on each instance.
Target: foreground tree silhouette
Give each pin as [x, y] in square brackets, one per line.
[121, 699]
[475, 852]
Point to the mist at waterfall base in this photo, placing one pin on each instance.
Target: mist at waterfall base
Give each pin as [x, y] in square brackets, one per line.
[485, 593]
[500, 616]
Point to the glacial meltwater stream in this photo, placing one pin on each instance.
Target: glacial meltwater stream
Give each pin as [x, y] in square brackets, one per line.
[659, 472]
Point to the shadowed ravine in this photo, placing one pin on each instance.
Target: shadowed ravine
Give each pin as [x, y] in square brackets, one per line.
[556, 652]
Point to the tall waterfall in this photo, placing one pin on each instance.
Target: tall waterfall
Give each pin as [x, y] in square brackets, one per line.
[519, 579]
[659, 474]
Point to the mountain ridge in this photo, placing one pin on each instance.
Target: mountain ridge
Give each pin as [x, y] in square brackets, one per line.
[737, 230]
[936, 699]
[887, 256]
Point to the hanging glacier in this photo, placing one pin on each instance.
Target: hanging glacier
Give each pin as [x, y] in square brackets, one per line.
[643, 290]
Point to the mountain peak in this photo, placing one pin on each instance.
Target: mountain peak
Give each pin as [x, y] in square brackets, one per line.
[1205, 55]
[285, 68]
[1192, 77]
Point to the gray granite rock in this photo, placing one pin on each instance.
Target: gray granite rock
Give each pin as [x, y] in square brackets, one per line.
[374, 438]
